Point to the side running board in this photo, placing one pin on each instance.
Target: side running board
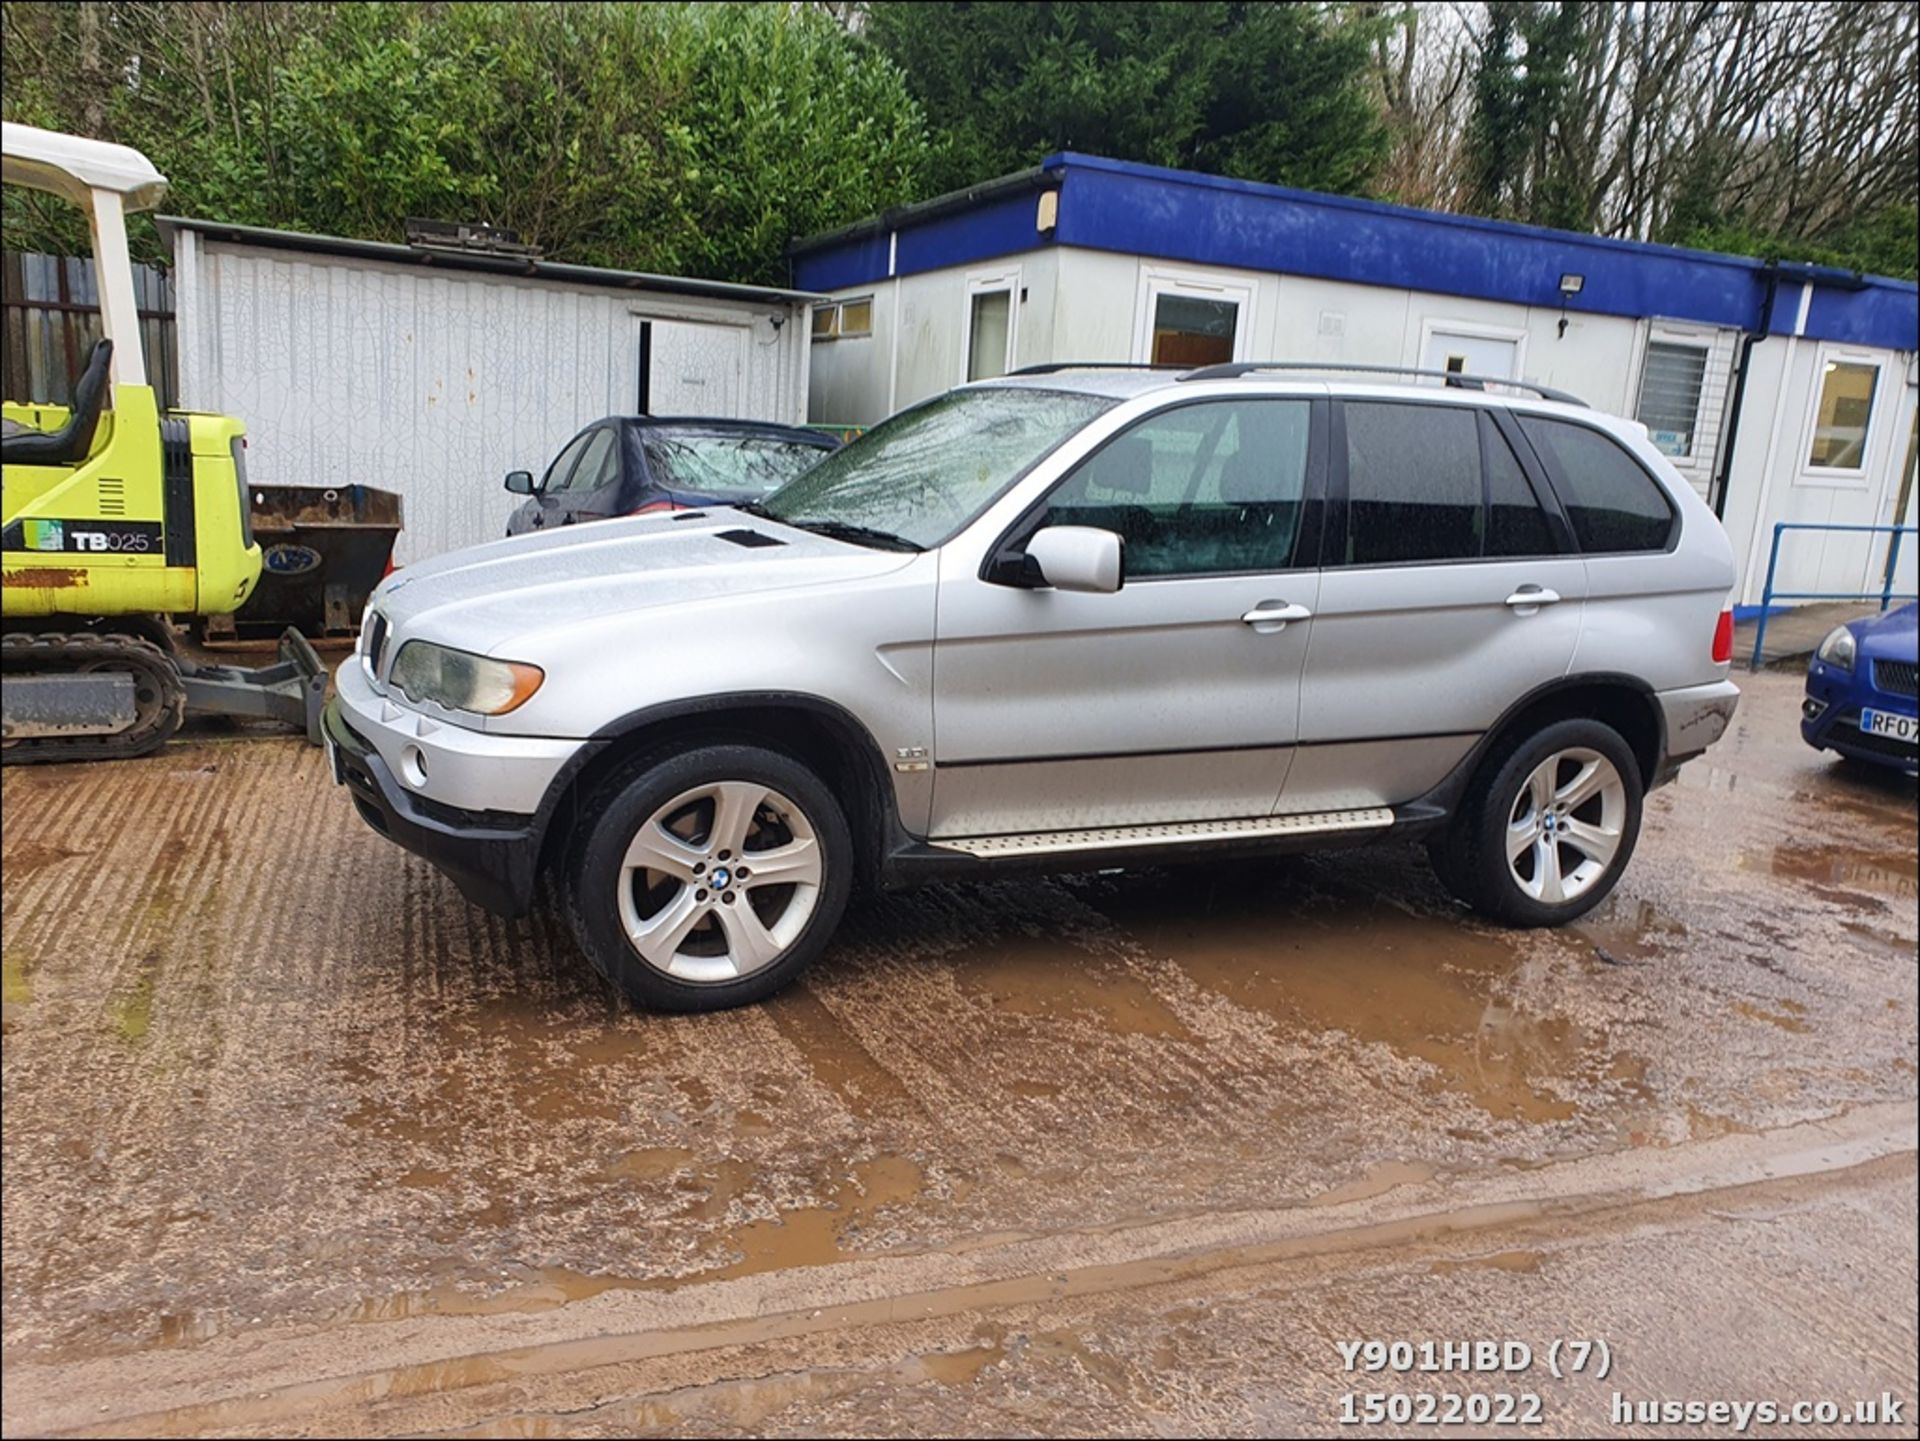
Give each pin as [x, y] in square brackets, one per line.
[1118, 838]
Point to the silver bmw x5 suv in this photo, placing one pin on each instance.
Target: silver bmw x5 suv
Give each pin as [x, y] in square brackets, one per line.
[1074, 617]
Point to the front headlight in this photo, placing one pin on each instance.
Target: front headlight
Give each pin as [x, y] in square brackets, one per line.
[460, 681]
[1839, 648]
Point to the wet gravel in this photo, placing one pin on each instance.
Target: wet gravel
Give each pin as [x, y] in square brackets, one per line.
[262, 1068]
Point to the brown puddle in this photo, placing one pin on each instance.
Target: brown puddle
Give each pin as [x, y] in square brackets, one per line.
[835, 1056]
[799, 1237]
[1066, 1346]
[1888, 872]
[1900, 945]
[959, 1368]
[1318, 955]
[1522, 1263]
[1619, 929]
[1052, 980]
[1388, 1176]
[653, 1163]
[1787, 1018]
[814, 1235]
[31, 856]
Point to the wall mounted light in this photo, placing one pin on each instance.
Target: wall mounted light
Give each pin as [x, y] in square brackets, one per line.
[1570, 285]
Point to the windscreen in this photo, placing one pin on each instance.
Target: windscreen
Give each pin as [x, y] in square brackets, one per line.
[925, 473]
[729, 465]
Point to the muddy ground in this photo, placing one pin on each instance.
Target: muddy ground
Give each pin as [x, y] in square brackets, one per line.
[296, 1140]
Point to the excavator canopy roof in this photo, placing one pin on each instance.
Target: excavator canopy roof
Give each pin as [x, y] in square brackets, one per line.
[70, 166]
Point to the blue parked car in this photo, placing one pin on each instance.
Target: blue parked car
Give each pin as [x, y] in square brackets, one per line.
[636, 464]
[1860, 691]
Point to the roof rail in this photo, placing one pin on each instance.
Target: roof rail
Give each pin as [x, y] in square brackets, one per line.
[1452, 377]
[1054, 366]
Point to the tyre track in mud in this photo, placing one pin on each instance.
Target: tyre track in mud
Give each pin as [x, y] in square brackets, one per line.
[263, 1070]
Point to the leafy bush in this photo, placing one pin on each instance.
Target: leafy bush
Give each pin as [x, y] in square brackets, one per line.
[693, 139]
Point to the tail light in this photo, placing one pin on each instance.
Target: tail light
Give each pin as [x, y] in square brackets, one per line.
[1723, 639]
[653, 506]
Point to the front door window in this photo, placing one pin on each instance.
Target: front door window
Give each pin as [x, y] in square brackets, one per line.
[1202, 489]
[563, 463]
[598, 464]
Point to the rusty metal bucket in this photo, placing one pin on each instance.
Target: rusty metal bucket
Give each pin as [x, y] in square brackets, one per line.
[323, 550]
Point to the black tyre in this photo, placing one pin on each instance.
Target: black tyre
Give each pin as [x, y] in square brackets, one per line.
[709, 877]
[1546, 830]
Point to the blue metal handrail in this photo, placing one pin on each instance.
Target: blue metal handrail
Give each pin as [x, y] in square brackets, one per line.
[1769, 595]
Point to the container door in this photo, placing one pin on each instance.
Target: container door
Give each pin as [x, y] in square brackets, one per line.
[690, 368]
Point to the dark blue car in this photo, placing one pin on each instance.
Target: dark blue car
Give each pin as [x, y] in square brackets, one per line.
[634, 464]
[1860, 691]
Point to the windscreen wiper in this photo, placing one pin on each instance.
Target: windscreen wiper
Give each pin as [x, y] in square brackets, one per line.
[857, 534]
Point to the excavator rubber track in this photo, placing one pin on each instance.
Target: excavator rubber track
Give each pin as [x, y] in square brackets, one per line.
[160, 698]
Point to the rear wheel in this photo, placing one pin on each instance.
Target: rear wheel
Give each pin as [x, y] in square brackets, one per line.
[709, 878]
[1545, 835]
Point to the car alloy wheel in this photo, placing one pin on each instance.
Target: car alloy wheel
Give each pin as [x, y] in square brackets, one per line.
[720, 881]
[1566, 825]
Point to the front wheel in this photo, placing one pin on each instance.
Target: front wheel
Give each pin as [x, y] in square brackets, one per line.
[709, 878]
[1545, 836]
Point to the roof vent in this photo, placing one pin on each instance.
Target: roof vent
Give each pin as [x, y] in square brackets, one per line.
[474, 238]
[752, 539]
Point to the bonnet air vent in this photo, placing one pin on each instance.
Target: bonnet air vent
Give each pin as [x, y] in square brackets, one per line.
[691, 515]
[752, 539]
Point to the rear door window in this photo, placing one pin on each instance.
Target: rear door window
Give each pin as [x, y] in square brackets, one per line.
[1414, 491]
[1612, 501]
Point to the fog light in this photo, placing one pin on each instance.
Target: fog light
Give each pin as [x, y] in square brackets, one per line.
[1812, 709]
[413, 766]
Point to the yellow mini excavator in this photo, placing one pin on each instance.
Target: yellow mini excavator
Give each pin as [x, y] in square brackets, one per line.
[116, 516]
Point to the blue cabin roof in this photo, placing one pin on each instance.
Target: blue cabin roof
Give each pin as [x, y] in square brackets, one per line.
[1182, 215]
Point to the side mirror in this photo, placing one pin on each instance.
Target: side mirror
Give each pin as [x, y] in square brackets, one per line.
[1077, 557]
[520, 482]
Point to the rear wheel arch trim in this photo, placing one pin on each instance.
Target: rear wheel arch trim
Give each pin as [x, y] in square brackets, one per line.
[1447, 794]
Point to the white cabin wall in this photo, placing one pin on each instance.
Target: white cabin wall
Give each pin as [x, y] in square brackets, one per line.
[435, 383]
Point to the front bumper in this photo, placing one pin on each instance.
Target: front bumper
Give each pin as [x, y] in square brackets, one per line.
[491, 857]
[476, 805]
[1830, 718]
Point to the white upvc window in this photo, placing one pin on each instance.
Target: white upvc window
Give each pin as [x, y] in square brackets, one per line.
[1673, 382]
[1847, 389]
[1190, 318]
[991, 324]
[844, 319]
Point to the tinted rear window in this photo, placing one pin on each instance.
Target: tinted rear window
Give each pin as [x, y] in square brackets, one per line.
[1612, 501]
[1516, 526]
[1413, 483]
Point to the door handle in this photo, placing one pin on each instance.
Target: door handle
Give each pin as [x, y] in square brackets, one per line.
[1532, 597]
[1274, 614]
